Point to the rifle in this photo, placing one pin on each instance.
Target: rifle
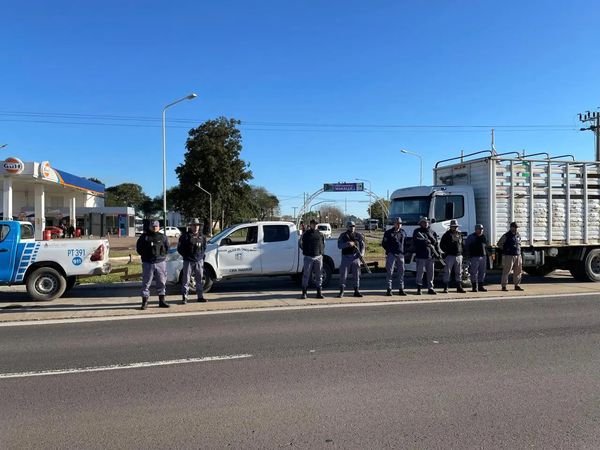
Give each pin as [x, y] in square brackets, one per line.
[360, 258]
[437, 255]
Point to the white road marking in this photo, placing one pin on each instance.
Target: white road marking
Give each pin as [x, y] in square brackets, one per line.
[284, 308]
[138, 365]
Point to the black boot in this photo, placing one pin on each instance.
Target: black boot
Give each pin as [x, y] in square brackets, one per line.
[431, 292]
[357, 293]
[482, 288]
[201, 298]
[144, 302]
[162, 302]
[388, 292]
[319, 293]
[341, 294]
[184, 299]
[460, 289]
[418, 289]
[401, 292]
[474, 287]
[303, 296]
[445, 291]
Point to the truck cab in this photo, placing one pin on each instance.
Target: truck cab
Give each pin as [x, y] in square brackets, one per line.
[439, 203]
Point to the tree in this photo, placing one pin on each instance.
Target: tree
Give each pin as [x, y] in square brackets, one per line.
[95, 180]
[212, 158]
[262, 203]
[375, 208]
[125, 194]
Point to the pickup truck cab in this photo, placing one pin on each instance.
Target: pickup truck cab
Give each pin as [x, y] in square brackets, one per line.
[255, 249]
[47, 268]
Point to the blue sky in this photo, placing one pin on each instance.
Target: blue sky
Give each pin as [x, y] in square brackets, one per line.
[359, 66]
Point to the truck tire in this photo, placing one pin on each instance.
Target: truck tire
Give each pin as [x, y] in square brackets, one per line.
[45, 284]
[591, 265]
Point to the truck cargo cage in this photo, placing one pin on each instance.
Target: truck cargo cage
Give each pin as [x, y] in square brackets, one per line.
[554, 201]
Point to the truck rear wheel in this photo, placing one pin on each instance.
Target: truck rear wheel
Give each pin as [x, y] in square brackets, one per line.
[591, 265]
[589, 268]
[45, 284]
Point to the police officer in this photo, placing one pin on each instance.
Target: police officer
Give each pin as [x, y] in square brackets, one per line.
[393, 244]
[153, 247]
[452, 246]
[510, 244]
[476, 250]
[426, 249]
[312, 243]
[352, 245]
[191, 247]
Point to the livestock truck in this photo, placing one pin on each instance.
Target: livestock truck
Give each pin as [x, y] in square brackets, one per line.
[555, 201]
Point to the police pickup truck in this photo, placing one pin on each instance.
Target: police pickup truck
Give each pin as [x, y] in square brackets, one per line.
[255, 249]
[47, 268]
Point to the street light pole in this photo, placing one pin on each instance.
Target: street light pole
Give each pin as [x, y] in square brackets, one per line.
[164, 136]
[370, 194]
[421, 164]
[209, 206]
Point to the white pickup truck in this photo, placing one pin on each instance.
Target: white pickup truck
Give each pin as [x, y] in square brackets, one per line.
[47, 268]
[255, 249]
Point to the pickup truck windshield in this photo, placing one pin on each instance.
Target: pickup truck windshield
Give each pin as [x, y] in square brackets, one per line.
[410, 209]
[218, 236]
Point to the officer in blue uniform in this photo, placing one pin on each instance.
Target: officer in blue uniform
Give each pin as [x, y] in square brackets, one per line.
[352, 245]
[393, 244]
[153, 247]
[191, 247]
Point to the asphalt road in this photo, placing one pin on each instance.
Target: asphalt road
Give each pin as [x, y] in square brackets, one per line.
[521, 373]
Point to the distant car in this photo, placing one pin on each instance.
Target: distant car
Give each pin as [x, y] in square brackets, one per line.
[171, 232]
[325, 229]
[55, 232]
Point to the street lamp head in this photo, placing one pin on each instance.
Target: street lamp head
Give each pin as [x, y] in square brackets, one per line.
[403, 151]
[192, 96]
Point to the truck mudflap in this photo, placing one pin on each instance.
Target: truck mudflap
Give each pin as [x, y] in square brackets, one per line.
[104, 270]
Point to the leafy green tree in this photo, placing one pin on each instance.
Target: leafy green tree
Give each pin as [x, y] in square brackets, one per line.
[212, 158]
[125, 194]
[262, 203]
[95, 180]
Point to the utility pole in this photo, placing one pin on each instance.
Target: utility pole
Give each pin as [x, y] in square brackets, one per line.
[294, 208]
[594, 119]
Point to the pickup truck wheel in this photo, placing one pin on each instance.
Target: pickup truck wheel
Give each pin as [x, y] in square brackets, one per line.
[46, 284]
[207, 282]
[327, 272]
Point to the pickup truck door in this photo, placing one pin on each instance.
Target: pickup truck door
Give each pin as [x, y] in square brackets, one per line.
[279, 249]
[239, 252]
[8, 244]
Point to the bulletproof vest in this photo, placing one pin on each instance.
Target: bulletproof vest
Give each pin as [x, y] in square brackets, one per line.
[156, 241]
[194, 245]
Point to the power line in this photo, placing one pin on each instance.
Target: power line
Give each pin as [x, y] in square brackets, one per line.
[35, 117]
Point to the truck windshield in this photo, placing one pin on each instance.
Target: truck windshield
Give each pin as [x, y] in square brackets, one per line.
[410, 209]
